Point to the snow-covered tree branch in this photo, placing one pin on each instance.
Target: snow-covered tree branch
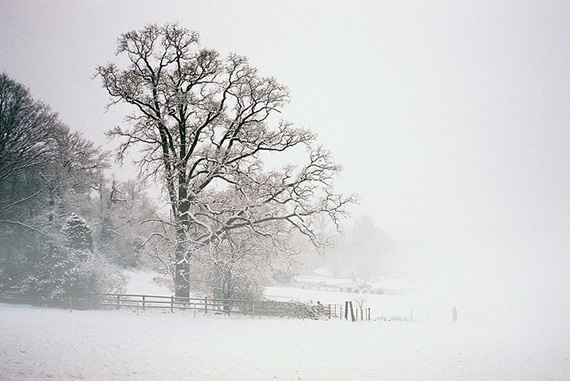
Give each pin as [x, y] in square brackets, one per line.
[204, 125]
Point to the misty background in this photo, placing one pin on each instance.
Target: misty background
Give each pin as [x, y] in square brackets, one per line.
[450, 120]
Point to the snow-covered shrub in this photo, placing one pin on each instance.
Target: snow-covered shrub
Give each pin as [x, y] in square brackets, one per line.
[64, 272]
[235, 279]
[53, 275]
[246, 288]
[65, 266]
[100, 276]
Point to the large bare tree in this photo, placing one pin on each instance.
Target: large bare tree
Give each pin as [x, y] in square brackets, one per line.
[204, 124]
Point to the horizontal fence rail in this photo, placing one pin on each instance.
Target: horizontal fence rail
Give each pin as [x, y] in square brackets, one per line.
[204, 305]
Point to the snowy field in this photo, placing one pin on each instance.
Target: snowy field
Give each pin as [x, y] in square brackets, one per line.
[37, 343]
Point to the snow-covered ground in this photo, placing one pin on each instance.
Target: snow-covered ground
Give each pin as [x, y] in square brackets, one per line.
[420, 301]
[38, 343]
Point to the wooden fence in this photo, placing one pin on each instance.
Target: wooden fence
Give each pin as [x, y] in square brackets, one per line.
[140, 302]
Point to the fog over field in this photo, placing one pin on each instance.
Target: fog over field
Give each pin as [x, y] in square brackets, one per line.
[451, 121]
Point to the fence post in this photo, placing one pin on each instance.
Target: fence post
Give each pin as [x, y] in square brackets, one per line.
[206, 304]
[172, 304]
[144, 305]
[345, 310]
[70, 305]
[228, 306]
[351, 310]
[118, 300]
[194, 310]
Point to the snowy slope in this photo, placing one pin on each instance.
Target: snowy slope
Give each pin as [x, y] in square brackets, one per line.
[146, 282]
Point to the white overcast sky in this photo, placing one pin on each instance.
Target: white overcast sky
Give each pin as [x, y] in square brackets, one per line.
[450, 118]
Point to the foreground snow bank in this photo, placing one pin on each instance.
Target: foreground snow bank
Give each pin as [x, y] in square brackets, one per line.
[41, 343]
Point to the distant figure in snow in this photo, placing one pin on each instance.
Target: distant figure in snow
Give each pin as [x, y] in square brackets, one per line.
[454, 314]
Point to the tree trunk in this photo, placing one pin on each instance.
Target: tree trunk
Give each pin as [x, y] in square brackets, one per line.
[182, 275]
[182, 279]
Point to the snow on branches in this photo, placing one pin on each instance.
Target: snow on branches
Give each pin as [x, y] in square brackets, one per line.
[204, 126]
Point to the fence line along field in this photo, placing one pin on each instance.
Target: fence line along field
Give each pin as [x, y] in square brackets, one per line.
[116, 343]
[140, 302]
[119, 344]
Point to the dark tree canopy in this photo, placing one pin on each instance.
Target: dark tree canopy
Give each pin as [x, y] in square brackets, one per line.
[25, 129]
[46, 172]
[42, 163]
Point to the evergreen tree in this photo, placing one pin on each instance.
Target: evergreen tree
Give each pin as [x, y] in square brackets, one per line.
[78, 234]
